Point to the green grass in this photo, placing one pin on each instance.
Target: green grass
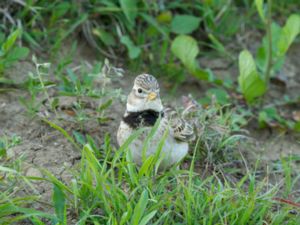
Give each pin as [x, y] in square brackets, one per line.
[112, 191]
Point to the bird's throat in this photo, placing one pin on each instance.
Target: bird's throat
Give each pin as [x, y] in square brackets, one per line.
[146, 118]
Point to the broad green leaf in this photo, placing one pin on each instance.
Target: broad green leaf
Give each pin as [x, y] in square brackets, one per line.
[10, 41]
[129, 8]
[186, 49]
[133, 50]
[139, 208]
[288, 34]
[106, 37]
[260, 8]
[202, 74]
[16, 54]
[184, 24]
[251, 84]
[261, 55]
[59, 204]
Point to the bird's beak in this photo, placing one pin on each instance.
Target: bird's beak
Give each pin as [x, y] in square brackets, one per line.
[152, 96]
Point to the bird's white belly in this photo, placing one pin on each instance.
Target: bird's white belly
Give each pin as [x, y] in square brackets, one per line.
[171, 153]
[172, 150]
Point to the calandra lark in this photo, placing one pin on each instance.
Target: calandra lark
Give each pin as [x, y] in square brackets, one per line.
[143, 109]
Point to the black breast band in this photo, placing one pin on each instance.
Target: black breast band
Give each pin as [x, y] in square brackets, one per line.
[144, 118]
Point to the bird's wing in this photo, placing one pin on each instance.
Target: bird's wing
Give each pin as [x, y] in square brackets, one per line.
[180, 128]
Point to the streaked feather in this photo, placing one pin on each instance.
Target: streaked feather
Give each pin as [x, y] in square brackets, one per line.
[146, 81]
[181, 129]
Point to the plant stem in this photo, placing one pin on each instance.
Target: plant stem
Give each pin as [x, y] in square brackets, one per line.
[269, 38]
[39, 73]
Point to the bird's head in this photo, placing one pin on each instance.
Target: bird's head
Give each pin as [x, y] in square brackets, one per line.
[144, 95]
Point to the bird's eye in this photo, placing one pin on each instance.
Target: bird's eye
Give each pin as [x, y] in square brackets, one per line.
[140, 90]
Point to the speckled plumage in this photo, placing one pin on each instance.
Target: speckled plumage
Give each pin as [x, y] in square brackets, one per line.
[143, 109]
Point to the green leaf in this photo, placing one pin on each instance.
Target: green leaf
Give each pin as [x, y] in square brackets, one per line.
[186, 49]
[60, 10]
[63, 132]
[147, 218]
[16, 54]
[30, 39]
[184, 24]
[288, 34]
[297, 126]
[260, 8]
[251, 84]
[221, 95]
[81, 19]
[2, 37]
[129, 8]
[261, 58]
[105, 105]
[266, 115]
[202, 74]
[229, 23]
[133, 50]
[106, 37]
[79, 137]
[164, 17]
[154, 23]
[10, 41]
[146, 166]
[59, 204]
[139, 208]
[217, 44]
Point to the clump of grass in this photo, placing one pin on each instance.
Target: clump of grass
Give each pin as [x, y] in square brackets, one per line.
[7, 142]
[16, 191]
[112, 191]
[216, 130]
[89, 87]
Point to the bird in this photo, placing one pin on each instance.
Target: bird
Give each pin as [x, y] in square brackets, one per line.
[144, 109]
